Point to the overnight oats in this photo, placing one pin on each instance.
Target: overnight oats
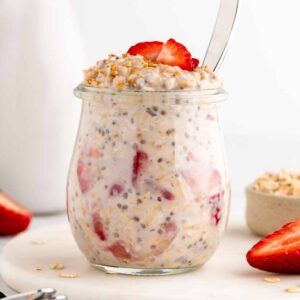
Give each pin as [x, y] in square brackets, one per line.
[148, 190]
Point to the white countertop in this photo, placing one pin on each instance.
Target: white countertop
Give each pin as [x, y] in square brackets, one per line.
[37, 222]
[226, 276]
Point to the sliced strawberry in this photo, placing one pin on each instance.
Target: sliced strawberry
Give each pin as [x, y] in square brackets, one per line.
[116, 189]
[98, 226]
[168, 232]
[139, 162]
[119, 251]
[150, 50]
[167, 195]
[13, 218]
[84, 174]
[175, 54]
[195, 62]
[279, 251]
[203, 180]
[216, 204]
[169, 227]
[94, 152]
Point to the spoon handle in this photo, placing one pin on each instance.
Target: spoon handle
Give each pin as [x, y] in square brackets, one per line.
[221, 34]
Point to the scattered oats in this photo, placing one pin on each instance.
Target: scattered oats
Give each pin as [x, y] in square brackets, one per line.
[56, 266]
[38, 269]
[292, 290]
[272, 279]
[38, 242]
[68, 275]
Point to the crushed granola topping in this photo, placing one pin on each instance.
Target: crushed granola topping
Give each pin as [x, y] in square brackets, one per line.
[136, 73]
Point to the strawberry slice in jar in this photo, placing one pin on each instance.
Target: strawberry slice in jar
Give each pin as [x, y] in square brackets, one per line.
[206, 184]
[86, 172]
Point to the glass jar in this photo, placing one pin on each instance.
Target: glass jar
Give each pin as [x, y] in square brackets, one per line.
[148, 189]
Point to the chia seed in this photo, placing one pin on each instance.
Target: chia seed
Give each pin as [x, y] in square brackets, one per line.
[150, 112]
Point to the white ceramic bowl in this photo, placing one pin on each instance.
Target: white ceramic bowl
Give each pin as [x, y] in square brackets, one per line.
[266, 212]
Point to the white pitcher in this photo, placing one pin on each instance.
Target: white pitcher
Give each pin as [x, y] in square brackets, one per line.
[41, 58]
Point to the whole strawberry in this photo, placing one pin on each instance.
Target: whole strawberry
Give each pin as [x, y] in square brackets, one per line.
[279, 251]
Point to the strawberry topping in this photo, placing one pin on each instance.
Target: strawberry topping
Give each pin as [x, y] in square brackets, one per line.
[195, 62]
[98, 226]
[279, 251]
[170, 53]
[13, 218]
[149, 50]
[175, 54]
[139, 162]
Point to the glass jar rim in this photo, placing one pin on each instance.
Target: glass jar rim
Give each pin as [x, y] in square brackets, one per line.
[205, 95]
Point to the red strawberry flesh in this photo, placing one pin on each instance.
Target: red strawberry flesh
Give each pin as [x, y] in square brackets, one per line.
[84, 176]
[149, 50]
[116, 189]
[170, 53]
[13, 218]
[215, 202]
[98, 226]
[176, 54]
[279, 251]
[167, 195]
[139, 162]
[195, 62]
[118, 250]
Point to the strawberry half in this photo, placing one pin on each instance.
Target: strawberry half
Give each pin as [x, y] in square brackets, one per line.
[175, 54]
[13, 218]
[279, 251]
[149, 50]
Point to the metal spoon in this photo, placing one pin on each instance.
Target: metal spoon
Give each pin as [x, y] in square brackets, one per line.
[221, 34]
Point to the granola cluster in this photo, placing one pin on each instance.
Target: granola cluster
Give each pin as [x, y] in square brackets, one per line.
[285, 183]
[134, 72]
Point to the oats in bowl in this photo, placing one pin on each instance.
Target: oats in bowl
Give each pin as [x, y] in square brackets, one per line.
[273, 200]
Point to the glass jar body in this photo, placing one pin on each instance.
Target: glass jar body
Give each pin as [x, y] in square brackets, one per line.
[148, 190]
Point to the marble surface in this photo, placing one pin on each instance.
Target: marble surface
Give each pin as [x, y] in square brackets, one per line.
[226, 276]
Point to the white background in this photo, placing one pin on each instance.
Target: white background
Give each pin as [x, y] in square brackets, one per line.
[261, 119]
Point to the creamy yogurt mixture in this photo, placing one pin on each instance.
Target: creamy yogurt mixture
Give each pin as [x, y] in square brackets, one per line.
[136, 73]
[147, 186]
